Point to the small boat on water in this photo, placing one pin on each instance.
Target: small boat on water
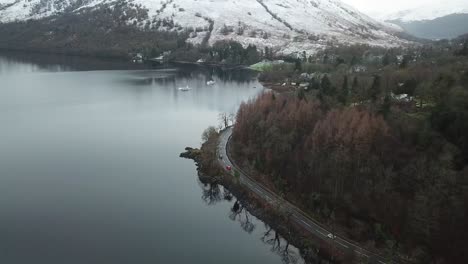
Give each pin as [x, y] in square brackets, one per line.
[185, 89]
[210, 82]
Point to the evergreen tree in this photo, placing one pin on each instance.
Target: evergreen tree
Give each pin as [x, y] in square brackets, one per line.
[326, 86]
[267, 53]
[315, 84]
[340, 61]
[375, 89]
[355, 88]
[387, 103]
[251, 55]
[301, 94]
[386, 59]
[464, 50]
[298, 65]
[344, 92]
[406, 60]
[325, 59]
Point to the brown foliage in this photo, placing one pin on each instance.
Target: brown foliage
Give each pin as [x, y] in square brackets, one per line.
[351, 162]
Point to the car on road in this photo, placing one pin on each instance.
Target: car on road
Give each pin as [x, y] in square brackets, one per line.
[228, 168]
[220, 156]
[331, 236]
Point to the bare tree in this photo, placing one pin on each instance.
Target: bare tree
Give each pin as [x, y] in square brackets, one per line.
[224, 119]
[232, 118]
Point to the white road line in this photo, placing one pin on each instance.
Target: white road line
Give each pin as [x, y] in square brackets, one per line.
[305, 223]
[361, 253]
[342, 244]
[321, 233]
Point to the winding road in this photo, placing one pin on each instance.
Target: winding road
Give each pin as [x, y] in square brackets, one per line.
[295, 213]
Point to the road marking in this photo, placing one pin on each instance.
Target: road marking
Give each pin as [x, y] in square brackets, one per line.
[361, 253]
[305, 223]
[325, 235]
[342, 244]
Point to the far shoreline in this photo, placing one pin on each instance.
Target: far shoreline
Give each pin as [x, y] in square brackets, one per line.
[118, 59]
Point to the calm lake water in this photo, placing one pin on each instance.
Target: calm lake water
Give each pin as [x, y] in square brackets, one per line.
[90, 169]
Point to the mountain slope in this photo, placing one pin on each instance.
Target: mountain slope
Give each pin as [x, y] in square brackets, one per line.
[445, 27]
[287, 26]
[430, 11]
[435, 20]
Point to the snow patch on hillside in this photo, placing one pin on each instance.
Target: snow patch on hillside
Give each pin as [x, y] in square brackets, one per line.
[430, 11]
[286, 26]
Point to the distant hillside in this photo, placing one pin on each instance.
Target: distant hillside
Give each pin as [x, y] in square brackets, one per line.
[285, 26]
[445, 27]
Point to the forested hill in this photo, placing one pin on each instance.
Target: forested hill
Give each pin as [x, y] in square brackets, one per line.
[289, 27]
[378, 147]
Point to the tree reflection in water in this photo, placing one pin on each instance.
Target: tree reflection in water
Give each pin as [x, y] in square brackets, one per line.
[280, 246]
[239, 213]
[213, 193]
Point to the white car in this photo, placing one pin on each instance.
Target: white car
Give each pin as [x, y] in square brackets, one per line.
[331, 236]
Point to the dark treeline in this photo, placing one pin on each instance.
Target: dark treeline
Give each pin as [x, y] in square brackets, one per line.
[107, 32]
[100, 32]
[223, 52]
[377, 142]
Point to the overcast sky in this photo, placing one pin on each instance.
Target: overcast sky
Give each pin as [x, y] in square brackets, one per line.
[384, 6]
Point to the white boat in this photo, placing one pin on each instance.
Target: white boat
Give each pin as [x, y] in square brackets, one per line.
[211, 82]
[185, 89]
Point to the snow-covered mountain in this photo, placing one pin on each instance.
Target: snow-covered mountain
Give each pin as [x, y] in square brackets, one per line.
[289, 26]
[435, 20]
[429, 11]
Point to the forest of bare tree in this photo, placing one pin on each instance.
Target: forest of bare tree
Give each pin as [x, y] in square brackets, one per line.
[391, 172]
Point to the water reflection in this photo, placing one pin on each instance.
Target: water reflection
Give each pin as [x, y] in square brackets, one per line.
[280, 246]
[213, 193]
[225, 95]
[240, 213]
[187, 75]
[84, 164]
[21, 62]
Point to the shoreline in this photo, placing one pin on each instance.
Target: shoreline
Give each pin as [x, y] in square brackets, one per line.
[278, 215]
[213, 65]
[369, 255]
[311, 248]
[118, 58]
[278, 88]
